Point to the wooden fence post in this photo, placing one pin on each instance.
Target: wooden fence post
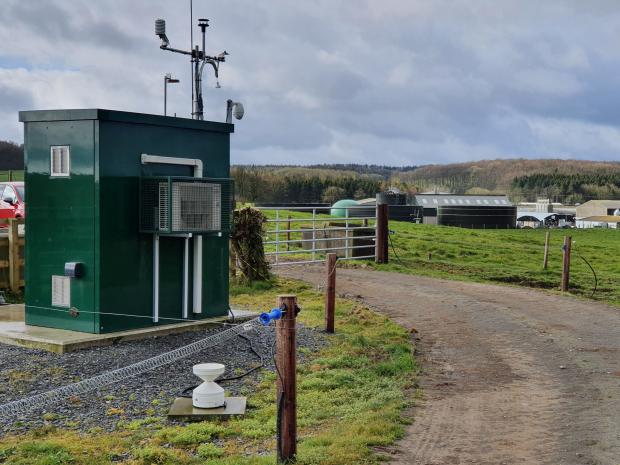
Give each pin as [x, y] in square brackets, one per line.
[14, 255]
[566, 263]
[546, 255]
[286, 384]
[330, 291]
[381, 240]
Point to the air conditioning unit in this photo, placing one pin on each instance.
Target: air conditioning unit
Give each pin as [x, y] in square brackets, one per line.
[185, 205]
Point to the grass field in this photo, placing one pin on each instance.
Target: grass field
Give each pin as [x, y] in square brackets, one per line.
[350, 398]
[509, 256]
[497, 256]
[14, 175]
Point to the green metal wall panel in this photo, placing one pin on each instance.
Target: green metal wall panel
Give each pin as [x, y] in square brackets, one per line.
[60, 223]
[126, 255]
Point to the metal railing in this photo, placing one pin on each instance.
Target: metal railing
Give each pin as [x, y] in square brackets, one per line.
[298, 235]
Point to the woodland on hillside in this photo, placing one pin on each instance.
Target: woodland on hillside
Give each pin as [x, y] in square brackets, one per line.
[567, 181]
[300, 185]
[11, 156]
[568, 188]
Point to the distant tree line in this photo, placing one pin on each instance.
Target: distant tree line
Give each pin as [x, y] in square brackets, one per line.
[11, 156]
[386, 172]
[260, 184]
[567, 188]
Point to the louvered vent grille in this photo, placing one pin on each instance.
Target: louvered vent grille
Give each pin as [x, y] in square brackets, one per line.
[61, 291]
[184, 205]
[197, 206]
[163, 210]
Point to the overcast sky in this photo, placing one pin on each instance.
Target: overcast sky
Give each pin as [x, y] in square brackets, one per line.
[399, 82]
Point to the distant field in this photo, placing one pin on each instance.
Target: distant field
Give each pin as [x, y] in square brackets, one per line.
[509, 256]
[15, 175]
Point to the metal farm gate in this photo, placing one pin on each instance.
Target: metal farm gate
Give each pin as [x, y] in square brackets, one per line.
[298, 235]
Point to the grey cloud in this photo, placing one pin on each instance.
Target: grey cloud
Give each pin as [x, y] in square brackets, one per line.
[395, 81]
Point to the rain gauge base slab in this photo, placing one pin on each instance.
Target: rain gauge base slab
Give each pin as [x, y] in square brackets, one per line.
[182, 408]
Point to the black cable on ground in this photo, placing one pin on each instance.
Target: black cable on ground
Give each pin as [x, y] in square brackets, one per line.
[279, 426]
[593, 272]
[394, 250]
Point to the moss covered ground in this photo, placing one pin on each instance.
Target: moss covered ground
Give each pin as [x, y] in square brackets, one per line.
[351, 395]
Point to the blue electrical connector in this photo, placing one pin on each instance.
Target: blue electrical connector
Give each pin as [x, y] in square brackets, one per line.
[266, 318]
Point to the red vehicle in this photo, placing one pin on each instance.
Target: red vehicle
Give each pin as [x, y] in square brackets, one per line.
[12, 200]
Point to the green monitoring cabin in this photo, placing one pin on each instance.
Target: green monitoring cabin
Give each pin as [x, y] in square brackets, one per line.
[128, 218]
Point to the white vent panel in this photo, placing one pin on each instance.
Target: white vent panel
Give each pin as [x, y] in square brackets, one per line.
[61, 291]
[60, 161]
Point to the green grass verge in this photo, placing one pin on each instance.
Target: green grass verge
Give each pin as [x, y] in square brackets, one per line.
[509, 256]
[14, 175]
[350, 398]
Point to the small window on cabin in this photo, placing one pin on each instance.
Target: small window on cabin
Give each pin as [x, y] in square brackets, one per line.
[460, 201]
[435, 201]
[60, 161]
[424, 201]
[496, 201]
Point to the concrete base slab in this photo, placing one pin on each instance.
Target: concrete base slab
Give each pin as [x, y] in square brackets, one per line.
[14, 331]
[182, 408]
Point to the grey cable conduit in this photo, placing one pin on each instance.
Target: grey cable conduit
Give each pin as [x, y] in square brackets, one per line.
[60, 394]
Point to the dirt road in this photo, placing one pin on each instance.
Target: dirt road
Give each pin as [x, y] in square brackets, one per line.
[510, 375]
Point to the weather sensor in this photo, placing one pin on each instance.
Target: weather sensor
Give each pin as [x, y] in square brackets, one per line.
[199, 59]
[209, 394]
[234, 109]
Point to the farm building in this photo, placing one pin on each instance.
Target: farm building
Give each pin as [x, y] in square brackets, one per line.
[398, 210]
[530, 219]
[604, 222]
[598, 208]
[472, 211]
[128, 219]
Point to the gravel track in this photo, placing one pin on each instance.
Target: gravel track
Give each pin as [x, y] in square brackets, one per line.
[510, 375]
[25, 372]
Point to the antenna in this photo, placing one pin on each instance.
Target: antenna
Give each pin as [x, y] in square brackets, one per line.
[199, 59]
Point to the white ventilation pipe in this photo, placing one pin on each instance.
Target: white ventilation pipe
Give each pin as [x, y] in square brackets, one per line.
[185, 275]
[197, 298]
[155, 278]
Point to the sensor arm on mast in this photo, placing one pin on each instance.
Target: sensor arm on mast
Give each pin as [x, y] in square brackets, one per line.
[176, 50]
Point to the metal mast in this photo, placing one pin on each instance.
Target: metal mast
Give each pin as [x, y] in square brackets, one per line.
[199, 59]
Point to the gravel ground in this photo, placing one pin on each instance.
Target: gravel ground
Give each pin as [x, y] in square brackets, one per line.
[25, 372]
